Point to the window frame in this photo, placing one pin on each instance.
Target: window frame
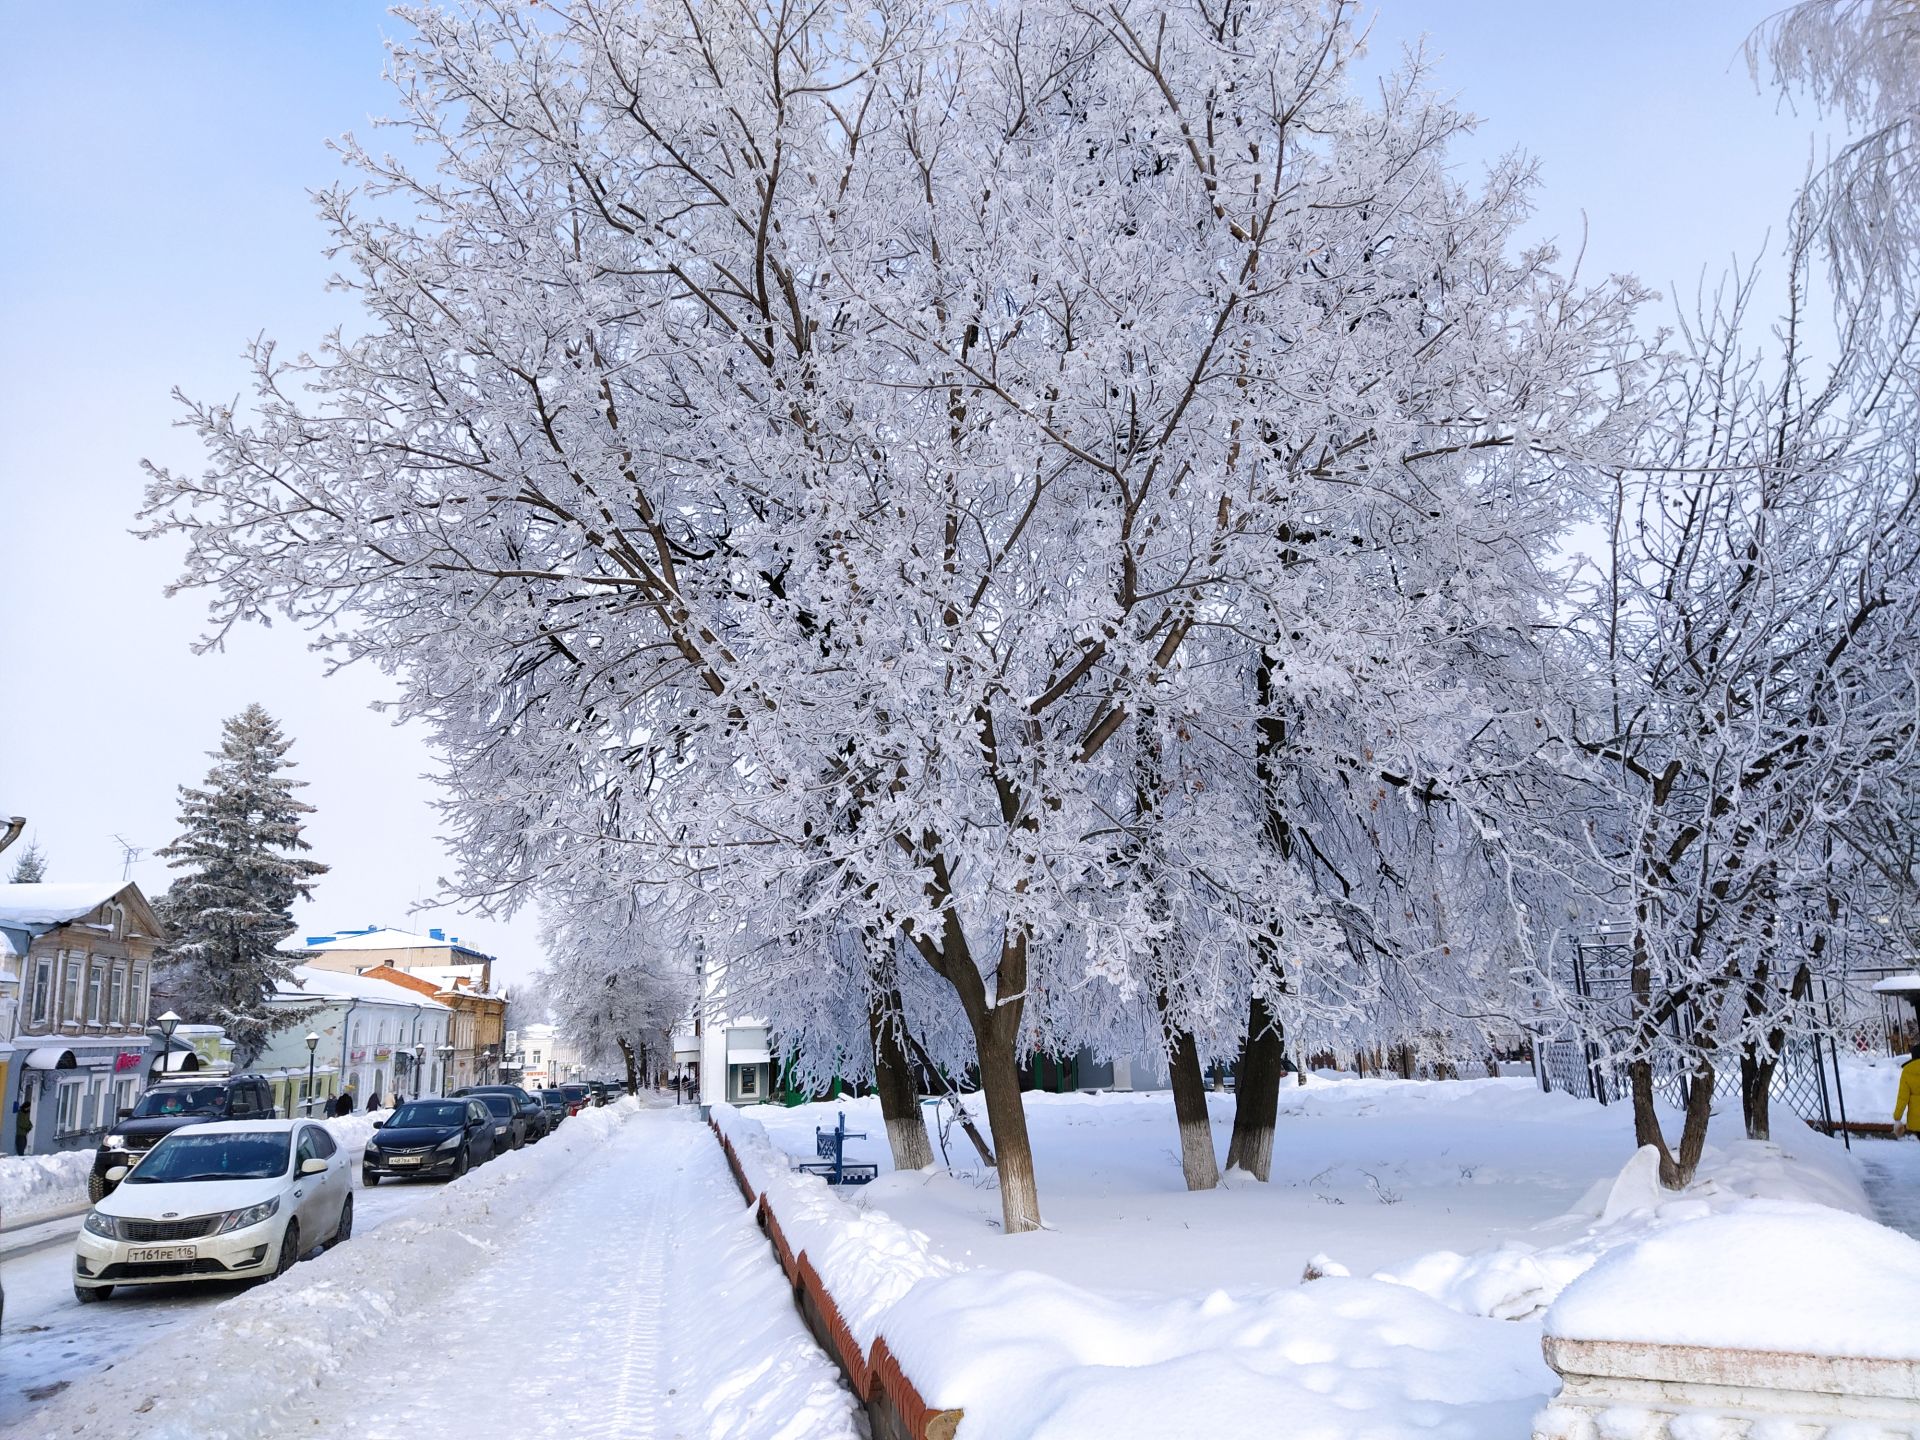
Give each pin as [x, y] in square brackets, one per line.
[46, 981]
[69, 1102]
[72, 973]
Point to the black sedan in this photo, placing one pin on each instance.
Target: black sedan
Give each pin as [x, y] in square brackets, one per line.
[509, 1123]
[429, 1137]
[533, 1115]
[557, 1105]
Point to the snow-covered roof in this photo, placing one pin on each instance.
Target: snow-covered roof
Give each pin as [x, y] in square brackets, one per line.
[1908, 984]
[54, 904]
[385, 937]
[317, 984]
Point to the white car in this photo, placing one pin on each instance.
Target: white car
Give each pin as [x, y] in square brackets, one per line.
[231, 1200]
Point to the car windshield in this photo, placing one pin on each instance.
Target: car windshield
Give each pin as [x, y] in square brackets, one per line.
[195, 1155]
[574, 1092]
[179, 1100]
[499, 1104]
[441, 1113]
[553, 1097]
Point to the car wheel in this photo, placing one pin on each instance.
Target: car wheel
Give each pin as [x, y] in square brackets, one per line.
[368, 1179]
[87, 1294]
[289, 1249]
[96, 1187]
[343, 1232]
[465, 1162]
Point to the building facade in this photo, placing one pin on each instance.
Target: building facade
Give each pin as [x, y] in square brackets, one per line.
[377, 1040]
[456, 974]
[76, 964]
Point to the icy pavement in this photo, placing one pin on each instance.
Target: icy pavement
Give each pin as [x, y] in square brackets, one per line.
[641, 1300]
[1890, 1170]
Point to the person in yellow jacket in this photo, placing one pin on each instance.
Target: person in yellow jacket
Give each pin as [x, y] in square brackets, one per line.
[1906, 1103]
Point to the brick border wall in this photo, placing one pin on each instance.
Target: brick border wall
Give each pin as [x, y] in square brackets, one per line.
[894, 1406]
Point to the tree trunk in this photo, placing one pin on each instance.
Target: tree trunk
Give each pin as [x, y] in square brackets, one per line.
[893, 1079]
[994, 1043]
[1257, 1093]
[1197, 1160]
[633, 1071]
[1756, 1087]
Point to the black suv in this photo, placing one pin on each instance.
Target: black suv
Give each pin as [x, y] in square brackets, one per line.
[171, 1105]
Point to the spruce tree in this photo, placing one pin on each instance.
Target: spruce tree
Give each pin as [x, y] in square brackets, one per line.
[31, 867]
[232, 906]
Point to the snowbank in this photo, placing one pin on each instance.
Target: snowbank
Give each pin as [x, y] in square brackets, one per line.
[236, 1376]
[1029, 1357]
[1514, 1280]
[35, 1186]
[1770, 1275]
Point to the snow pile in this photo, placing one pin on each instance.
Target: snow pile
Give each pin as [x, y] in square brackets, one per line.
[866, 1260]
[1771, 1275]
[1515, 1280]
[236, 1376]
[1030, 1357]
[32, 1186]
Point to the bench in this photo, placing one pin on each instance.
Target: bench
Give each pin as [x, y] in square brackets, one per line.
[833, 1165]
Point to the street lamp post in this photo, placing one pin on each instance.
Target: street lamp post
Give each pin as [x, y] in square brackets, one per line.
[313, 1043]
[166, 1024]
[446, 1064]
[419, 1064]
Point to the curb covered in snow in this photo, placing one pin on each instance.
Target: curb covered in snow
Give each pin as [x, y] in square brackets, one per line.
[894, 1405]
[234, 1377]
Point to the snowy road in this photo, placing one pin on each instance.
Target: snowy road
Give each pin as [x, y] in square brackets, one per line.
[608, 1282]
[51, 1341]
[641, 1301]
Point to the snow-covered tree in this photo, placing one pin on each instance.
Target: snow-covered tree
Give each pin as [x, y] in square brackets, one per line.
[31, 867]
[239, 854]
[818, 455]
[1755, 629]
[616, 984]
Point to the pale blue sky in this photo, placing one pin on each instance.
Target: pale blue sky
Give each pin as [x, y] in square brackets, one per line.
[153, 216]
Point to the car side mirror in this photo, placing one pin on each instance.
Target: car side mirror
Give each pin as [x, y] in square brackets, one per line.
[126, 1114]
[315, 1166]
[116, 1174]
[378, 1123]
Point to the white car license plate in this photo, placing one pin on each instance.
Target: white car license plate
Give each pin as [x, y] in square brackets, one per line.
[141, 1254]
[403, 1159]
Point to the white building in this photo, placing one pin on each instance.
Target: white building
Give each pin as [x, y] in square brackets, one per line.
[725, 1057]
[377, 1039]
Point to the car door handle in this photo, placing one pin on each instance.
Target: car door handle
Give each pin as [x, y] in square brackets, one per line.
[298, 1193]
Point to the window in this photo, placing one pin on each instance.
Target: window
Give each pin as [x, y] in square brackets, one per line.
[749, 1080]
[116, 995]
[322, 1143]
[245, 1104]
[125, 1091]
[72, 1096]
[96, 988]
[137, 997]
[307, 1149]
[43, 990]
[75, 962]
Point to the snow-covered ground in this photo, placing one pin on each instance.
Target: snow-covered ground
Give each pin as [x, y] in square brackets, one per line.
[1447, 1217]
[1378, 1175]
[605, 1282]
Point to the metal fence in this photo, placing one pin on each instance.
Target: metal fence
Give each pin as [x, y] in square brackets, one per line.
[1573, 1062]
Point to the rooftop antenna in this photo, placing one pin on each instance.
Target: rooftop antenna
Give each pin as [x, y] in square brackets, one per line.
[129, 852]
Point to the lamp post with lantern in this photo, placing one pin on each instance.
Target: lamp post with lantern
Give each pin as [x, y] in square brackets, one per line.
[446, 1066]
[313, 1043]
[419, 1065]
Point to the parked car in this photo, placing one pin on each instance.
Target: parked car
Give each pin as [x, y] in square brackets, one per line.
[428, 1137]
[533, 1114]
[170, 1106]
[557, 1105]
[509, 1125]
[219, 1200]
[598, 1089]
[578, 1096]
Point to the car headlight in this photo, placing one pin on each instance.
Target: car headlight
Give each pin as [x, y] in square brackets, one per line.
[252, 1215]
[98, 1224]
[114, 1142]
[452, 1142]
